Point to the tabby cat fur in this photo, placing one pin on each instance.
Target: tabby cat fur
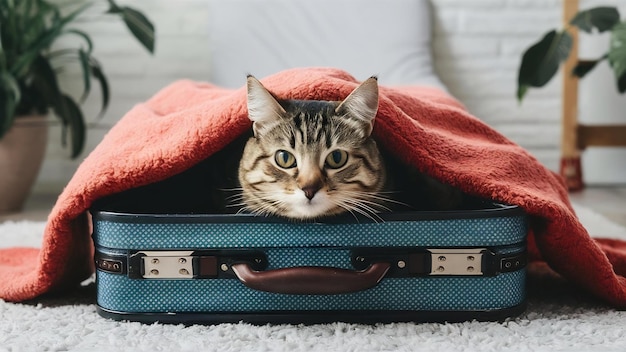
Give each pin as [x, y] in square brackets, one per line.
[309, 159]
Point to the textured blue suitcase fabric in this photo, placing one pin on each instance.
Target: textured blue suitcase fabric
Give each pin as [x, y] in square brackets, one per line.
[448, 294]
[434, 233]
[325, 245]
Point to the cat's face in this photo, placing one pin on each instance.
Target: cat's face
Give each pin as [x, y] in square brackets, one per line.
[309, 159]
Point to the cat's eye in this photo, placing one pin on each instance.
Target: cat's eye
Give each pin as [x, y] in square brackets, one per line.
[337, 158]
[285, 159]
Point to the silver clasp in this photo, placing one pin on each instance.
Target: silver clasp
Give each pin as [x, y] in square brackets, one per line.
[167, 264]
[456, 261]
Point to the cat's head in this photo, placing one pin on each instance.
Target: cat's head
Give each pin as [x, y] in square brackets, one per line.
[310, 159]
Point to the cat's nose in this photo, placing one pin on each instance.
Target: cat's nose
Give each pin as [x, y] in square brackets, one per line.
[310, 190]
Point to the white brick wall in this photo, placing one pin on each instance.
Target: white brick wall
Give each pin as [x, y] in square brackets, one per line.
[477, 48]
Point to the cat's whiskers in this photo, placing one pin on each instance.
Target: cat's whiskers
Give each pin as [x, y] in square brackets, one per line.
[367, 206]
[236, 189]
[235, 192]
[375, 196]
[352, 208]
[265, 205]
[236, 205]
[375, 205]
[360, 206]
[262, 203]
[365, 203]
[234, 198]
[236, 201]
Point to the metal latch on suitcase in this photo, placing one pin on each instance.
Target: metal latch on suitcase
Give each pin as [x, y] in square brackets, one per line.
[441, 261]
[402, 262]
[456, 261]
[167, 265]
[189, 264]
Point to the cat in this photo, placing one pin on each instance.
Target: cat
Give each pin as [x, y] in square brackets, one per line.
[309, 159]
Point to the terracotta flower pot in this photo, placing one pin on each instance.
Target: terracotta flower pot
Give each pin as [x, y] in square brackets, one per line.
[21, 154]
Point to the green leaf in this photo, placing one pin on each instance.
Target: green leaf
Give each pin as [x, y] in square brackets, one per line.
[602, 18]
[585, 66]
[7, 113]
[113, 7]
[50, 91]
[46, 80]
[21, 65]
[3, 57]
[96, 71]
[83, 35]
[140, 26]
[541, 61]
[76, 125]
[521, 92]
[9, 84]
[617, 55]
[9, 98]
[84, 63]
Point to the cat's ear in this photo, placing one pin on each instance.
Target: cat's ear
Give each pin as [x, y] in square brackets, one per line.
[263, 109]
[362, 104]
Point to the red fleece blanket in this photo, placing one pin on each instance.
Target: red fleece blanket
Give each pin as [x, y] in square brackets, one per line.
[187, 122]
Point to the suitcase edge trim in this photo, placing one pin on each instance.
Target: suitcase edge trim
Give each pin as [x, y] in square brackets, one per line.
[496, 210]
[310, 317]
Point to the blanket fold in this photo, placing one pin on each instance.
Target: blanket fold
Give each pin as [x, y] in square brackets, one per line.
[187, 122]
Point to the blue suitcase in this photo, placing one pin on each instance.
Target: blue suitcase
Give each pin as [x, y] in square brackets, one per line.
[408, 266]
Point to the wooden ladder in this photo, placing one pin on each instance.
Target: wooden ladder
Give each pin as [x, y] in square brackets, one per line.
[575, 137]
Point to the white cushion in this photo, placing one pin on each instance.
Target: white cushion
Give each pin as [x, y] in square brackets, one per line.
[388, 38]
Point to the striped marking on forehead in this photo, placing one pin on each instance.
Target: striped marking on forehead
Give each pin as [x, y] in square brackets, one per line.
[313, 123]
[313, 128]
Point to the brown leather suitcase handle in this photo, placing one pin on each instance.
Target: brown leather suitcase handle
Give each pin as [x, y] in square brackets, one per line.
[311, 280]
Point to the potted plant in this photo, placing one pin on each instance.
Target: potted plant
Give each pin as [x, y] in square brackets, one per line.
[541, 61]
[29, 82]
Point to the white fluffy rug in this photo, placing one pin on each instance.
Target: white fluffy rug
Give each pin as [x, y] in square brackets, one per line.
[558, 318]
